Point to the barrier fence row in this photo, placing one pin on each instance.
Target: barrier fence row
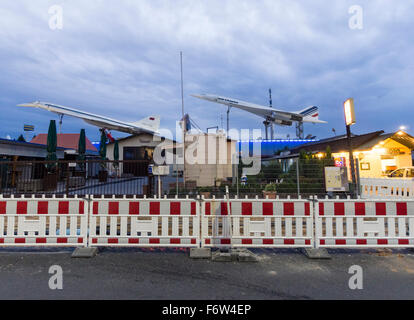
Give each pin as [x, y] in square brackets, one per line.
[272, 223]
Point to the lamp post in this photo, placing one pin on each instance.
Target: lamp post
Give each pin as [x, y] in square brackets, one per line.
[349, 111]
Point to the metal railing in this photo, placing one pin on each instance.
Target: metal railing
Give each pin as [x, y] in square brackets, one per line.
[304, 177]
[293, 179]
[70, 177]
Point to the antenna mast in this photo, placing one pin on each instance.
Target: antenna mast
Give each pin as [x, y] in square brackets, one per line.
[182, 112]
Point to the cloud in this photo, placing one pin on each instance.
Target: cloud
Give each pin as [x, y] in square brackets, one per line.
[121, 59]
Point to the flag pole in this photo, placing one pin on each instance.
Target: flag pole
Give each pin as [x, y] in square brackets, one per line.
[182, 113]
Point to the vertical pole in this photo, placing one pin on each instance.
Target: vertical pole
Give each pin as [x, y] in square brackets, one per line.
[299, 130]
[228, 121]
[266, 129]
[358, 178]
[237, 180]
[351, 159]
[227, 225]
[316, 225]
[67, 181]
[182, 113]
[176, 174]
[60, 122]
[297, 176]
[159, 186]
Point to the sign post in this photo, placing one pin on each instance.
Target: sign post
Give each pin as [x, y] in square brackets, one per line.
[349, 110]
[159, 171]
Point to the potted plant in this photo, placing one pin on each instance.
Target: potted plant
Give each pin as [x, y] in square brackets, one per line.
[205, 192]
[270, 191]
[50, 180]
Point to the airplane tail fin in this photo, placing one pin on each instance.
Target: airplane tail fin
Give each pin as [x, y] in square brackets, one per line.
[311, 114]
[151, 123]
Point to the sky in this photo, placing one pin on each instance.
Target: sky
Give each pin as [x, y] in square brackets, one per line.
[122, 59]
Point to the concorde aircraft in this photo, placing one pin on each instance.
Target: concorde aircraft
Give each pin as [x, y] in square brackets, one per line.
[278, 117]
[148, 125]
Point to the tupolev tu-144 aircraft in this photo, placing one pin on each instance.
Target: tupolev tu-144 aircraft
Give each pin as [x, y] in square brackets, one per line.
[271, 115]
[148, 125]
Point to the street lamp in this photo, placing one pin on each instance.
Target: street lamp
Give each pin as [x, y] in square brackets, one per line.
[349, 110]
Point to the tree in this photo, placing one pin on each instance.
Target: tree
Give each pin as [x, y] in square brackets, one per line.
[21, 138]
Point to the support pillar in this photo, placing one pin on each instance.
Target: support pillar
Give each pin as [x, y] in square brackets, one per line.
[299, 130]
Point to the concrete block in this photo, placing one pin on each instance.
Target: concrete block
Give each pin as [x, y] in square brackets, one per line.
[247, 256]
[200, 253]
[84, 252]
[241, 255]
[320, 253]
[222, 256]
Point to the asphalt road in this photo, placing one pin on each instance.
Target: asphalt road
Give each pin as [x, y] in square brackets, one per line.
[171, 274]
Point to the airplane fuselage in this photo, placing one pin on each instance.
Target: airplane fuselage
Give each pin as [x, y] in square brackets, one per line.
[279, 117]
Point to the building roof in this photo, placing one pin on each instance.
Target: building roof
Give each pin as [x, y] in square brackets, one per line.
[340, 143]
[65, 140]
[404, 138]
[26, 149]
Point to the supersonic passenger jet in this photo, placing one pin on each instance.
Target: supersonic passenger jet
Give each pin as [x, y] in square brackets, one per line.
[278, 117]
[148, 125]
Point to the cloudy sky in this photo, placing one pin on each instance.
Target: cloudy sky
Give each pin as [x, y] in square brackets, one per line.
[121, 59]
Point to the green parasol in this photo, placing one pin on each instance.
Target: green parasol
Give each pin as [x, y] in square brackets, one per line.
[116, 151]
[82, 148]
[51, 145]
[102, 147]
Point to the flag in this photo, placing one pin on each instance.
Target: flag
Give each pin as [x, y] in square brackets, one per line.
[186, 120]
[28, 127]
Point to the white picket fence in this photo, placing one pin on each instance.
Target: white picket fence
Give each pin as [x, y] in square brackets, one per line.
[152, 222]
[374, 188]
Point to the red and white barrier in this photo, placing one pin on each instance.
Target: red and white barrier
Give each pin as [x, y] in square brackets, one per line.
[257, 223]
[364, 223]
[43, 221]
[144, 222]
[375, 188]
[272, 223]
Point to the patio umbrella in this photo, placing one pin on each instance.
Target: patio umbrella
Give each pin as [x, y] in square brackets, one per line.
[51, 145]
[116, 151]
[116, 156]
[102, 145]
[82, 145]
[82, 148]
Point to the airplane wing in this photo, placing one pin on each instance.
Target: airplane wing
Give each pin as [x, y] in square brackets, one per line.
[149, 124]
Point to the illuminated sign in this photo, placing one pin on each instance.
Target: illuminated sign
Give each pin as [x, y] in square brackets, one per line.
[340, 162]
[349, 110]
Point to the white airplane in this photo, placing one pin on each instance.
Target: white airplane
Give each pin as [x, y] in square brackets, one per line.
[279, 117]
[148, 125]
